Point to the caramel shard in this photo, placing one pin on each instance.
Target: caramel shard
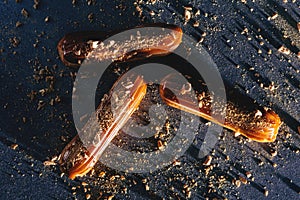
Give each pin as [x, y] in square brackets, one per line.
[284, 50]
[207, 161]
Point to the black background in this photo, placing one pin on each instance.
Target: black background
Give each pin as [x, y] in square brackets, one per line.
[39, 132]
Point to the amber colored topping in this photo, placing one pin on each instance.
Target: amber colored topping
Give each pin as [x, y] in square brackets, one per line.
[258, 124]
[76, 160]
[75, 47]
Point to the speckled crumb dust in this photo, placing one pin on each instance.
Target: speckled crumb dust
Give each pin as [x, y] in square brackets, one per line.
[255, 45]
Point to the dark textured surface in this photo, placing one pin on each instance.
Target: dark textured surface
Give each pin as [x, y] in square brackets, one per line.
[38, 132]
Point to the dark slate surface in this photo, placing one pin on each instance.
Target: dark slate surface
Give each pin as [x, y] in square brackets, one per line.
[38, 133]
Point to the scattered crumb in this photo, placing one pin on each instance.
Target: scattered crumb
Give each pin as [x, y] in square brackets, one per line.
[188, 8]
[243, 180]
[41, 104]
[91, 17]
[49, 163]
[152, 13]
[147, 188]
[196, 24]
[236, 134]
[227, 158]
[88, 196]
[274, 153]
[187, 14]
[258, 114]
[102, 174]
[260, 163]
[14, 146]
[24, 13]
[36, 4]
[248, 174]
[14, 41]
[110, 197]
[18, 24]
[270, 51]
[47, 19]
[274, 16]
[185, 88]
[139, 10]
[288, 135]
[207, 161]
[91, 2]
[160, 145]
[176, 163]
[53, 161]
[188, 194]
[84, 183]
[284, 50]
[245, 30]
[237, 183]
[266, 193]
[201, 40]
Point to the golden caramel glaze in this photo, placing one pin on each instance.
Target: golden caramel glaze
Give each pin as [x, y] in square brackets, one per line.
[75, 47]
[167, 44]
[76, 159]
[256, 123]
